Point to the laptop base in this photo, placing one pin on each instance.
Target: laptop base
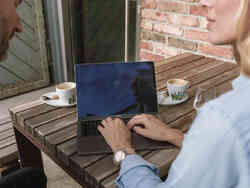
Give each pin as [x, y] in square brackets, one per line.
[96, 145]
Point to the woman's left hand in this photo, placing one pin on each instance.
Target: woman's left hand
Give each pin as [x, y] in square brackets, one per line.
[116, 134]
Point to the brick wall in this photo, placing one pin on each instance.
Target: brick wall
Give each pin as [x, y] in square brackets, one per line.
[172, 27]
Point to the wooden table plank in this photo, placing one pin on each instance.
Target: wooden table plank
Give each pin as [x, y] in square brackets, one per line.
[180, 69]
[8, 154]
[54, 126]
[32, 112]
[175, 62]
[35, 122]
[5, 120]
[66, 150]
[79, 163]
[6, 134]
[7, 142]
[23, 107]
[52, 140]
[5, 127]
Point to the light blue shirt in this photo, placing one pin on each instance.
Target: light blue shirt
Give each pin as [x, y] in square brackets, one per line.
[215, 151]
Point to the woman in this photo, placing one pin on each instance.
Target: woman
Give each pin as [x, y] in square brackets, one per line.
[216, 150]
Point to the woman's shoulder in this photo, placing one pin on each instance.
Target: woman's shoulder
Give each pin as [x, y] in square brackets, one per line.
[234, 105]
[219, 114]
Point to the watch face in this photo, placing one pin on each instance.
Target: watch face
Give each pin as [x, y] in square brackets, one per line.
[119, 156]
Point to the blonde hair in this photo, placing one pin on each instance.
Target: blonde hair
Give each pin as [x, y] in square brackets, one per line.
[242, 43]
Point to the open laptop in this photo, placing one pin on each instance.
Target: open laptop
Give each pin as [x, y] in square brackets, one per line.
[118, 90]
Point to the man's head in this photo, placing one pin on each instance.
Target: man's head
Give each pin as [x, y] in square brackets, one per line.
[9, 24]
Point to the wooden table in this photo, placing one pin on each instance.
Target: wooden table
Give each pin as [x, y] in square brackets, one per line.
[8, 148]
[39, 127]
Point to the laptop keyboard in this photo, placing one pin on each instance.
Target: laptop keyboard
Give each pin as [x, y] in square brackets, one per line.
[89, 128]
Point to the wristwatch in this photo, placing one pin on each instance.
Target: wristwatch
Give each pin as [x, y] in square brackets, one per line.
[120, 155]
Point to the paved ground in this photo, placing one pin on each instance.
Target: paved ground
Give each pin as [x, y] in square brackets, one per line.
[57, 178]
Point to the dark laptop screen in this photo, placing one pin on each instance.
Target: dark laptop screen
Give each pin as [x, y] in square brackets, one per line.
[115, 88]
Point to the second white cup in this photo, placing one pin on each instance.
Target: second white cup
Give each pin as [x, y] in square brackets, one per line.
[177, 88]
[66, 92]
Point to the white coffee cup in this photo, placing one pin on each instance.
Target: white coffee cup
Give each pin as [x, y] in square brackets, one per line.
[66, 92]
[177, 88]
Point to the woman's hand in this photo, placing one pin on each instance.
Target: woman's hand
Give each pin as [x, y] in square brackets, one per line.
[116, 134]
[155, 129]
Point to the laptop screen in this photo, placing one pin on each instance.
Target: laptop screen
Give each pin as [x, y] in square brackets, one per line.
[115, 88]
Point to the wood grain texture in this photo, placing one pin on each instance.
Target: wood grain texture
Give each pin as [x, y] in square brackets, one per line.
[5, 120]
[8, 149]
[54, 126]
[7, 142]
[52, 140]
[20, 108]
[66, 150]
[32, 112]
[6, 134]
[8, 154]
[5, 127]
[181, 69]
[35, 122]
[78, 163]
[175, 61]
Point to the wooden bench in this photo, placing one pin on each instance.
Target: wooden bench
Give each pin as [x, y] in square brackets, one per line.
[8, 148]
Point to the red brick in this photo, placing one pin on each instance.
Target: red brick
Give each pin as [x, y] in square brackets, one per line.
[192, 1]
[198, 10]
[153, 15]
[159, 16]
[183, 20]
[147, 24]
[147, 35]
[148, 13]
[146, 45]
[183, 44]
[165, 28]
[165, 50]
[148, 4]
[150, 56]
[219, 51]
[172, 7]
[158, 48]
[196, 35]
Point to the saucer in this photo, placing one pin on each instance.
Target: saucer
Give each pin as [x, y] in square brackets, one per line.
[163, 99]
[55, 102]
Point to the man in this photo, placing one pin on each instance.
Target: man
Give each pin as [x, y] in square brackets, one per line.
[10, 23]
